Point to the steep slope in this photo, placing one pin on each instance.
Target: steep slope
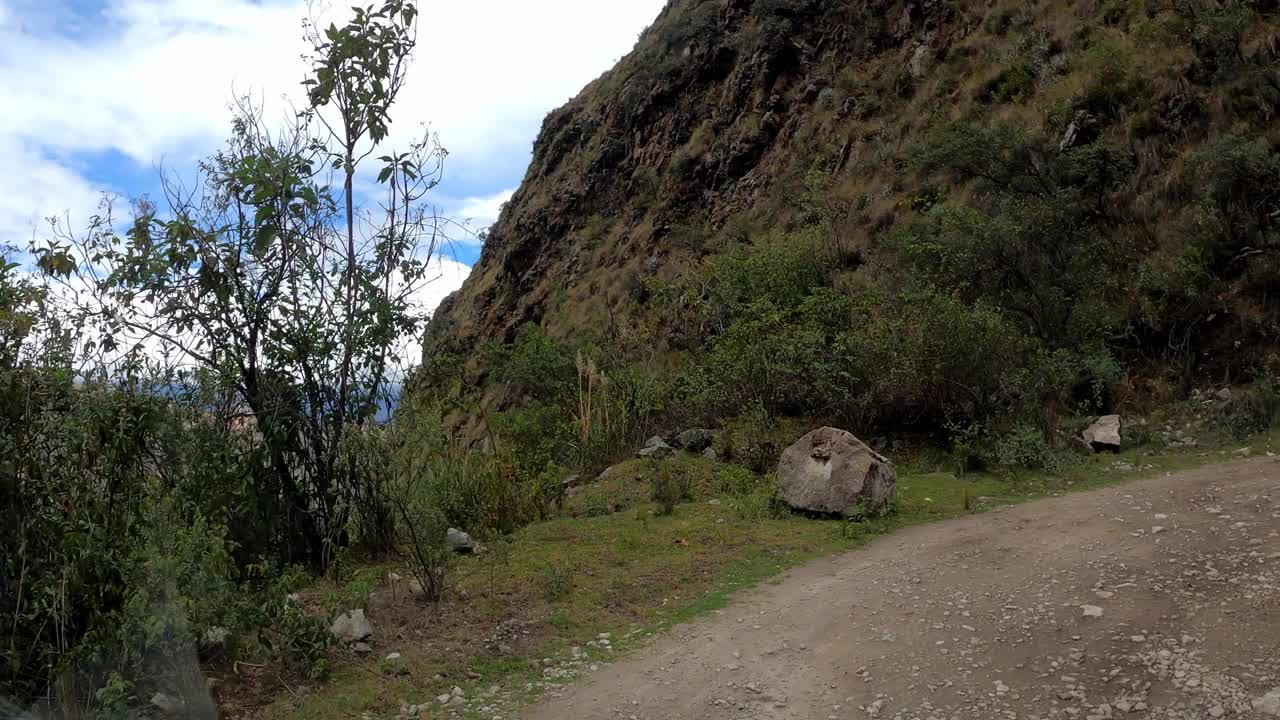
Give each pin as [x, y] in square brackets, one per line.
[734, 119]
[719, 102]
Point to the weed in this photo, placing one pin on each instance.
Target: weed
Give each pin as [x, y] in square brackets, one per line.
[557, 581]
[670, 489]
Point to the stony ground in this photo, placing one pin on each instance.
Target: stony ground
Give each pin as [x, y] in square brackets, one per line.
[1158, 599]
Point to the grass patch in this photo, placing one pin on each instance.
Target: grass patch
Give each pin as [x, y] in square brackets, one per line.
[634, 573]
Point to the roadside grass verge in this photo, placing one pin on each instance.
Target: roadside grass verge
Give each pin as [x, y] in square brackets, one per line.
[613, 565]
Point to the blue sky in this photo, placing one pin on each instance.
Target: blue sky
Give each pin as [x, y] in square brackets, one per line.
[98, 94]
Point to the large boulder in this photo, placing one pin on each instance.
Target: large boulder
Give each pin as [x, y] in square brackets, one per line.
[831, 471]
[1104, 434]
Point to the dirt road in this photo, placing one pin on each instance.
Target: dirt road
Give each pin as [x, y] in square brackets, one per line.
[1156, 599]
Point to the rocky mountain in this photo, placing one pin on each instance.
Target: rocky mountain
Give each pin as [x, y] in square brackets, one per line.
[736, 119]
[720, 102]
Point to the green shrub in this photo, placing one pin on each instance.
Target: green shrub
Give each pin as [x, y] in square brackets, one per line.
[422, 535]
[557, 581]
[1250, 411]
[670, 489]
[761, 503]
[182, 582]
[291, 634]
[1012, 84]
[533, 364]
[1003, 19]
[750, 440]
[1025, 447]
[1112, 85]
[1238, 180]
[1216, 32]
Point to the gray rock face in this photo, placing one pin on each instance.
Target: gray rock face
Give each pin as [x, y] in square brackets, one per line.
[711, 454]
[831, 471]
[695, 440]
[460, 541]
[655, 447]
[351, 627]
[1104, 434]
[921, 62]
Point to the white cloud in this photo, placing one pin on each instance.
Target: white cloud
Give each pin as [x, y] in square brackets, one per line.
[34, 187]
[443, 277]
[482, 211]
[154, 79]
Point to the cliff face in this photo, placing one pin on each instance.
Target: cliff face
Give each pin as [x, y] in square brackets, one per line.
[700, 122]
[733, 118]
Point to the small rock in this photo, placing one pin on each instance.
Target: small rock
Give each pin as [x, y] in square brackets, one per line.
[215, 636]
[351, 626]
[1091, 611]
[695, 440]
[166, 703]
[655, 448]
[362, 648]
[1269, 703]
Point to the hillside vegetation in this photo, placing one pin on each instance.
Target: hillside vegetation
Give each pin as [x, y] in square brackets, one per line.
[967, 219]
